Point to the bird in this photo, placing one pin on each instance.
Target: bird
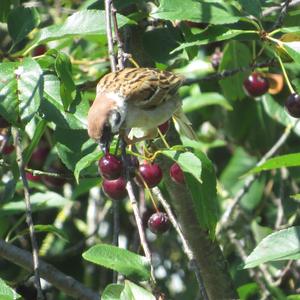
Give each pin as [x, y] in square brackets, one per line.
[133, 102]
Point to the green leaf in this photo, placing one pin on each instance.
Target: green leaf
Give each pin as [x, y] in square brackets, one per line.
[188, 162]
[252, 7]
[4, 10]
[133, 291]
[53, 109]
[21, 89]
[288, 160]
[235, 55]
[293, 50]
[72, 145]
[217, 33]
[47, 228]
[196, 11]
[39, 202]
[195, 102]
[112, 292]
[6, 292]
[21, 21]
[120, 260]
[83, 23]
[63, 69]
[85, 162]
[281, 245]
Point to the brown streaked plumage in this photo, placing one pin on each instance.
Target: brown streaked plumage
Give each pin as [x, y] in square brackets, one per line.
[140, 98]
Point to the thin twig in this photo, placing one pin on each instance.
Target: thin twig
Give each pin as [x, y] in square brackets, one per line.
[282, 14]
[268, 11]
[186, 248]
[139, 224]
[63, 282]
[251, 178]
[110, 42]
[35, 251]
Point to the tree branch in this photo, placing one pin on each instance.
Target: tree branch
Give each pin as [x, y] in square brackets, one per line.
[29, 221]
[65, 283]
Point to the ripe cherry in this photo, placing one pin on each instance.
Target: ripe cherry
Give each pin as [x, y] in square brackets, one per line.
[39, 156]
[151, 173]
[256, 85]
[292, 105]
[39, 50]
[159, 222]
[110, 167]
[34, 178]
[176, 173]
[164, 127]
[3, 123]
[115, 189]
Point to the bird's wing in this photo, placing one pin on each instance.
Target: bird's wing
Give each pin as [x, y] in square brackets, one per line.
[145, 87]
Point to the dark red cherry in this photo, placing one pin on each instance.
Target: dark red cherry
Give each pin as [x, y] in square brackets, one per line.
[256, 85]
[159, 223]
[164, 127]
[3, 123]
[115, 189]
[110, 167]
[151, 173]
[39, 50]
[38, 157]
[292, 105]
[176, 173]
[34, 178]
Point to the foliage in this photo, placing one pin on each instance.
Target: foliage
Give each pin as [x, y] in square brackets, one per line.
[53, 55]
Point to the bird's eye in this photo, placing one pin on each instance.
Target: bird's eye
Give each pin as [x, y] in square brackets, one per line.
[117, 118]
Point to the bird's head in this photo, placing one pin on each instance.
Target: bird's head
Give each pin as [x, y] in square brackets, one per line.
[105, 117]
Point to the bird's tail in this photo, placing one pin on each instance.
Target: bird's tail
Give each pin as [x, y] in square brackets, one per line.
[183, 125]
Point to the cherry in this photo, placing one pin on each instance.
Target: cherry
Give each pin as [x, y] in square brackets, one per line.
[159, 222]
[292, 105]
[164, 127]
[3, 123]
[8, 149]
[32, 177]
[39, 50]
[39, 156]
[110, 167]
[256, 85]
[176, 173]
[151, 173]
[115, 189]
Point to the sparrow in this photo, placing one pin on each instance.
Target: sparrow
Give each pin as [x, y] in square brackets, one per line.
[134, 102]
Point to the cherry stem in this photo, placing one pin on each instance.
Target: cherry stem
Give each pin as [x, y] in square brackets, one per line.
[285, 75]
[163, 138]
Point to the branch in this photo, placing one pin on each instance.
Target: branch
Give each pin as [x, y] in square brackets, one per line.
[250, 179]
[270, 10]
[282, 14]
[29, 221]
[65, 283]
[186, 247]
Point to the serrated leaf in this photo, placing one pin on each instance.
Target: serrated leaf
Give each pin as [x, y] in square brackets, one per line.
[63, 69]
[112, 292]
[39, 202]
[235, 55]
[133, 291]
[53, 109]
[188, 162]
[288, 160]
[280, 245]
[72, 145]
[83, 23]
[6, 292]
[217, 33]
[21, 90]
[196, 102]
[196, 11]
[21, 21]
[85, 162]
[120, 260]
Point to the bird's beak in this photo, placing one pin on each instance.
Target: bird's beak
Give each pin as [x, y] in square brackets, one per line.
[106, 138]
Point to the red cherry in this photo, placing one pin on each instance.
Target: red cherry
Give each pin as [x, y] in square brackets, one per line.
[32, 177]
[159, 222]
[151, 173]
[256, 85]
[164, 127]
[8, 149]
[3, 123]
[115, 189]
[110, 167]
[39, 156]
[292, 105]
[39, 50]
[176, 173]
